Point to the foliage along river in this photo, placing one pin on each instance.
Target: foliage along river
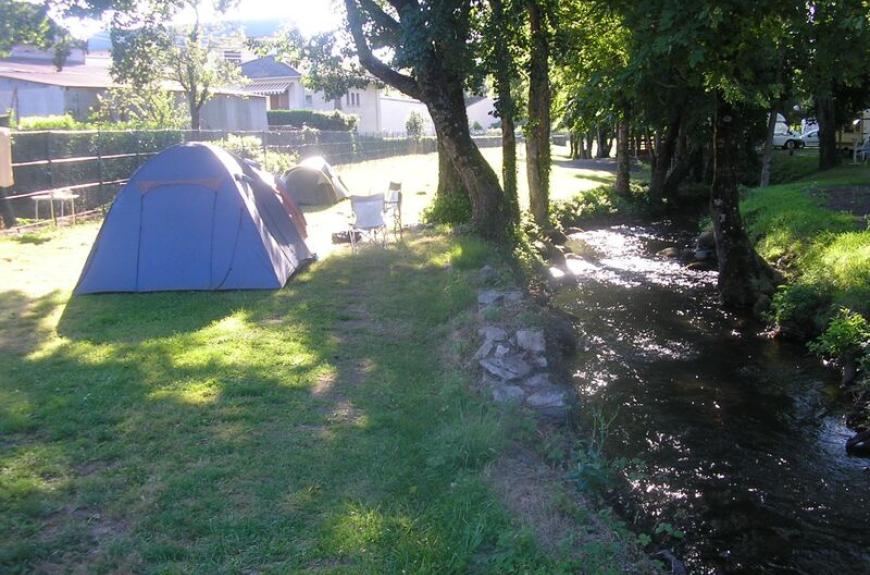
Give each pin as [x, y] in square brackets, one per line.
[742, 437]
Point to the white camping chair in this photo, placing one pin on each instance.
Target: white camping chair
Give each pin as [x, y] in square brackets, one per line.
[367, 220]
[394, 207]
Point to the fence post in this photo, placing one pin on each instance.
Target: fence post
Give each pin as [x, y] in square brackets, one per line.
[100, 162]
[48, 158]
[136, 138]
[263, 143]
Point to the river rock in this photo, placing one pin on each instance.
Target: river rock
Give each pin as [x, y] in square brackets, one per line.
[531, 340]
[507, 393]
[484, 349]
[506, 368]
[556, 236]
[705, 241]
[492, 333]
[859, 444]
[513, 296]
[487, 275]
[537, 380]
[670, 252]
[703, 266]
[549, 397]
[502, 350]
[490, 297]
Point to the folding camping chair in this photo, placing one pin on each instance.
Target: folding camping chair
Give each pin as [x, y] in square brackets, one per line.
[393, 207]
[367, 220]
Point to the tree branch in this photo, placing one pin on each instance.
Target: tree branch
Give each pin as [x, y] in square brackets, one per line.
[379, 69]
[379, 17]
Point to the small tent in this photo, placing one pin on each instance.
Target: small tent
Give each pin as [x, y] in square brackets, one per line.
[196, 218]
[314, 183]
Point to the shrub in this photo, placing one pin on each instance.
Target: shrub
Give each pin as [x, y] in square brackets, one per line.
[846, 337]
[329, 121]
[251, 148]
[35, 123]
[599, 203]
[450, 209]
[414, 125]
[248, 147]
[796, 309]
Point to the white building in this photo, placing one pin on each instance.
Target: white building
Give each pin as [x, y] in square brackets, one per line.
[380, 111]
[30, 85]
[481, 110]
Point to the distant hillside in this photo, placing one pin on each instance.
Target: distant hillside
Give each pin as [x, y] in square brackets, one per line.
[252, 28]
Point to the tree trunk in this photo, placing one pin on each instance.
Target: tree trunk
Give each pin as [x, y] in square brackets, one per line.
[194, 114]
[506, 113]
[445, 102]
[449, 182]
[743, 276]
[623, 165]
[509, 168]
[538, 137]
[602, 145]
[829, 156]
[767, 151]
[661, 160]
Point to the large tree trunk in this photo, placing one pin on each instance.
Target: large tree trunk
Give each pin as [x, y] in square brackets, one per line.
[449, 182]
[743, 276]
[767, 151]
[506, 113]
[661, 160]
[445, 102]
[538, 137]
[623, 164]
[829, 156]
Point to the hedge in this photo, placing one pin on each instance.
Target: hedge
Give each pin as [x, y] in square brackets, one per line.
[329, 121]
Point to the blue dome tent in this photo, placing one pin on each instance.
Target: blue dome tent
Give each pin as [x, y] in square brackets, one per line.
[196, 218]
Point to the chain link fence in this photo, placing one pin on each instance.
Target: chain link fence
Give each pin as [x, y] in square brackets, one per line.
[93, 165]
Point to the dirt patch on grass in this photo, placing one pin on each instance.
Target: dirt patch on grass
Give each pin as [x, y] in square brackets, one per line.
[852, 199]
[559, 517]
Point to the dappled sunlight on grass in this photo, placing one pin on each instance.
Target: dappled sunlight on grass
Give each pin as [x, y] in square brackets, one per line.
[245, 431]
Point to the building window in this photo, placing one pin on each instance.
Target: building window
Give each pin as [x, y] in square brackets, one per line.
[351, 99]
[308, 100]
[234, 56]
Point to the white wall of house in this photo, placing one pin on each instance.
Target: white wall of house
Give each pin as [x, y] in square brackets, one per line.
[30, 98]
[233, 112]
[362, 103]
[395, 111]
[482, 112]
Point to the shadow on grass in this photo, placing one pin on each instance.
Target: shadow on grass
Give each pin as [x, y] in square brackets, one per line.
[311, 427]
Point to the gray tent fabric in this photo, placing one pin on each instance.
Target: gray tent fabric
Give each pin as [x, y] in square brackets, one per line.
[196, 218]
[314, 183]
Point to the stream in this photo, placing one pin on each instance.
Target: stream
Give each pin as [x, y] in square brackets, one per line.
[742, 437]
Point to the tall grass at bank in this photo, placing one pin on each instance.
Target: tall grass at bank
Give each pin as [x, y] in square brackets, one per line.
[825, 255]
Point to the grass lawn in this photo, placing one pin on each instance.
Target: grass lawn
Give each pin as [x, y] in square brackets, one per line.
[323, 428]
[419, 177]
[319, 428]
[817, 229]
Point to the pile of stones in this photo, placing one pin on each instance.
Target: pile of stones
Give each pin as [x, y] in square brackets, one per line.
[514, 364]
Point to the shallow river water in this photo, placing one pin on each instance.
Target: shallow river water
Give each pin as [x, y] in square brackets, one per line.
[743, 437]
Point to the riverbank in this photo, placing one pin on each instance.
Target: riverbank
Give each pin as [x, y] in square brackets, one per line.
[817, 233]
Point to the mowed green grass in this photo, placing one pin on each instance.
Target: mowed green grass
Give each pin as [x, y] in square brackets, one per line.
[818, 244]
[321, 428]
